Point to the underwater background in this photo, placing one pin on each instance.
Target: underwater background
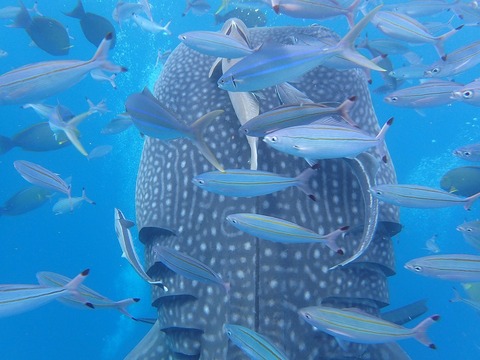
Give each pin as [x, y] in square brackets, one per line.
[420, 145]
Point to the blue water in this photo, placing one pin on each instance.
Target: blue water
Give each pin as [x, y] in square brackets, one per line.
[420, 148]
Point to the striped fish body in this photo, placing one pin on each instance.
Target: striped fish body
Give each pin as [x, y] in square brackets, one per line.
[189, 267]
[247, 183]
[455, 267]
[427, 94]
[18, 298]
[278, 230]
[215, 44]
[417, 196]
[253, 344]
[15, 299]
[321, 141]
[38, 175]
[290, 115]
[356, 326]
[456, 62]
[38, 81]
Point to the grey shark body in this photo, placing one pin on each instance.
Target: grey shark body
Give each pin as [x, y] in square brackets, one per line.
[269, 281]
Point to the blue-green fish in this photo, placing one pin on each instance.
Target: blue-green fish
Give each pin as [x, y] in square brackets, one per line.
[215, 44]
[256, 346]
[18, 298]
[189, 267]
[154, 120]
[294, 115]
[282, 231]
[248, 183]
[25, 200]
[417, 196]
[325, 140]
[455, 267]
[463, 181]
[359, 327]
[273, 64]
[38, 81]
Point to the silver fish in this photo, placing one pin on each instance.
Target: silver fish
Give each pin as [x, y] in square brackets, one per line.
[215, 44]
[38, 175]
[15, 299]
[468, 152]
[454, 267]
[471, 232]
[263, 275]
[64, 206]
[273, 64]
[428, 94]
[469, 94]
[100, 151]
[357, 326]
[38, 81]
[51, 279]
[417, 196]
[278, 230]
[151, 26]
[125, 240]
[253, 344]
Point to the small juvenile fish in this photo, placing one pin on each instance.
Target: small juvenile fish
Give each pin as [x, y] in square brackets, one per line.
[198, 7]
[428, 94]
[468, 152]
[325, 140]
[472, 303]
[357, 326]
[215, 44]
[189, 267]
[454, 267]
[294, 115]
[417, 196]
[154, 120]
[117, 125]
[51, 279]
[249, 183]
[282, 231]
[122, 230]
[18, 298]
[100, 151]
[64, 206]
[471, 232]
[253, 344]
[431, 244]
[38, 175]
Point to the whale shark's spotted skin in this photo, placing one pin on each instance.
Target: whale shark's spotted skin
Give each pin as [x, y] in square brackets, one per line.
[269, 281]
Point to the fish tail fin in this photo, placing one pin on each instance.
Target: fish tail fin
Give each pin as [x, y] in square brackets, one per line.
[347, 46]
[84, 197]
[78, 12]
[6, 144]
[384, 129]
[166, 29]
[456, 296]
[23, 19]
[198, 128]
[470, 200]
[303, 180]
[101, 56]
[123, 304]
[344, 110]
[74, 284]
[351, 13]
[330, 239]
[420, 331]
[442, 38]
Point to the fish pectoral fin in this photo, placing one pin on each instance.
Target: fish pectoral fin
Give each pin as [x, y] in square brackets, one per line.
[72, 136]
[342, 343]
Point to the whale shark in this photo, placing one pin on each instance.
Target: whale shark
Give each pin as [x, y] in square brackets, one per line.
[268, 281]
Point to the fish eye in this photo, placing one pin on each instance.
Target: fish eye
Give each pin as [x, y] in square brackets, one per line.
[417, 268]
[378, 192]
[394, 98]
[229, 333]
[308, 316]
[435, 70]
[234, 221]
[273, 139]
[468, 94]
[296, 147]
[466, 153]
[469, 229]
[200, 182]
[245, 131]
[183, 37]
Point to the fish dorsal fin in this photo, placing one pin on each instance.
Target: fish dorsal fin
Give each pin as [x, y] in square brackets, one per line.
[126, 223]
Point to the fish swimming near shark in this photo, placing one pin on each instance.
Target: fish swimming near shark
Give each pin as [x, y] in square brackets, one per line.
[263, 275]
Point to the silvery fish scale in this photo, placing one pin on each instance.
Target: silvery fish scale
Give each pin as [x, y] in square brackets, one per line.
[269, 281]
